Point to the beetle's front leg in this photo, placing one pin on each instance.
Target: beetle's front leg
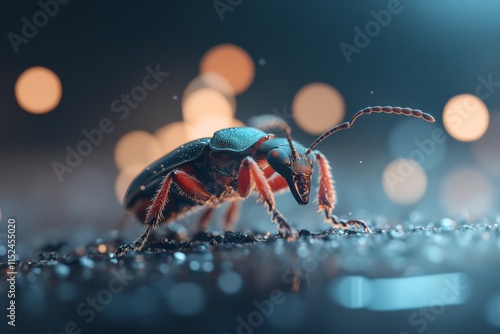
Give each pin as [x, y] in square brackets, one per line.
[252, 177]
[327, 197]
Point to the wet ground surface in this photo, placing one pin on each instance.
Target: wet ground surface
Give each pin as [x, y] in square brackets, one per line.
[434, 278]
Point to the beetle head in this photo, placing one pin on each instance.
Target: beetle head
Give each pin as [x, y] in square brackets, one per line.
[295, 166]
[295, 162]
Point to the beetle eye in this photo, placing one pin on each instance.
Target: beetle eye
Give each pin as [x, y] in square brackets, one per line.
[278, 158]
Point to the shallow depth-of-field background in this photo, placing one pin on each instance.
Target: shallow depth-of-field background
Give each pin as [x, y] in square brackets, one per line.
[92, 92]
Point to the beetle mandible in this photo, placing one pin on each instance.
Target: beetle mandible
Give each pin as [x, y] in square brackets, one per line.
[232, 164]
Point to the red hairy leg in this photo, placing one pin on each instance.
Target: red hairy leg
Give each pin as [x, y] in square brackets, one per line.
[327, 197]
[251, 177]
[277, 183]
[188, 186]
[268, 171]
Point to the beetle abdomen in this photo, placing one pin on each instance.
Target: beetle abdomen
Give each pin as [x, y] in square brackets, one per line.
[147, 182]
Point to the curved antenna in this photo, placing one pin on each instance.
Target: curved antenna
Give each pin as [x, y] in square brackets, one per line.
[368, 110]
[267, 122]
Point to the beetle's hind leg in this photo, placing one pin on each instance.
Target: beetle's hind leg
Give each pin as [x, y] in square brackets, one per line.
[137, 244]
[187, 185]
[252, 177]
[231, 215]
[205, 218]
[326, 197]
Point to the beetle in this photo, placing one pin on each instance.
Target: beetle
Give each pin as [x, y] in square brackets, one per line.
[232, 164]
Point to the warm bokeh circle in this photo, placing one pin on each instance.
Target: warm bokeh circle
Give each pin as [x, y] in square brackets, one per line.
[232, 63]
[317, 107]
[466, 117]
[38, 90]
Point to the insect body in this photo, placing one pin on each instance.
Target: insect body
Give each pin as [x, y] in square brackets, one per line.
[231, 165]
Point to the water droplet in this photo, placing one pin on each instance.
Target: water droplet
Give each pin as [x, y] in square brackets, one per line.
[194, 265]
[62, 270]
[434, 254]
[397, 234]
[230, 282]
[415, 216]
[208, 266]
[85, 261]
[179, 257]
[302, 251]
[448, 223]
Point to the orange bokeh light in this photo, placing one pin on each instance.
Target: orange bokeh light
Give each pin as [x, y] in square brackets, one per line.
[209, 126]
[237, 123]
[137, 148]
[404, 181]
[124, 179]
[204, 104]
[317, 107]
[172, 136]
[231, 62]
[38, 90]
[213, 81]
[466, 117]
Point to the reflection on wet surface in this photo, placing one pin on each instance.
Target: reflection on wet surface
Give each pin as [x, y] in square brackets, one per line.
[439, 277]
